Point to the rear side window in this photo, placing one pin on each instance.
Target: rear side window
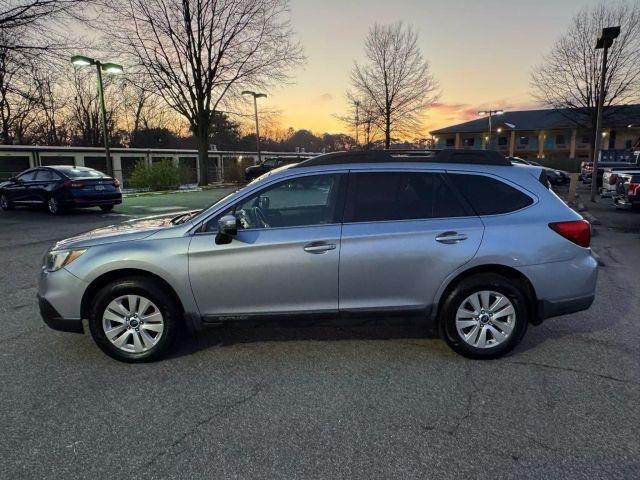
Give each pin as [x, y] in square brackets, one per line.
[380, 196]
[489, 196]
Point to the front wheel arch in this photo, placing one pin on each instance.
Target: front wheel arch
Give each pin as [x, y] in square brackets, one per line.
[503, 270]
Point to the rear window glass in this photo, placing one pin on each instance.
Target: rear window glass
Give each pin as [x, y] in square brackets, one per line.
[381, 196]
[489, 196]
[82, 173]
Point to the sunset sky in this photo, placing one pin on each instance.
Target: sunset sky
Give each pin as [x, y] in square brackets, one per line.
[481, 52]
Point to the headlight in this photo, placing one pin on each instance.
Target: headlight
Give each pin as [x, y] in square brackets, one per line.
[57, 259]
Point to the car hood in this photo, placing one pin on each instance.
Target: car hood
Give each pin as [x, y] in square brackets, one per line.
[137, 229]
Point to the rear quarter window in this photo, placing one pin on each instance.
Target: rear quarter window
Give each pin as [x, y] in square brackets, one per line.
[489, 196]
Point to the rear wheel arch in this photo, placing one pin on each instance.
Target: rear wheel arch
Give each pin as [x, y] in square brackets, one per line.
[128, 273]
[508, 272]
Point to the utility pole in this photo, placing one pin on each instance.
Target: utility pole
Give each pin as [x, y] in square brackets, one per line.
[605, 41]
[357, 104]
[255, 110]
[490, 113]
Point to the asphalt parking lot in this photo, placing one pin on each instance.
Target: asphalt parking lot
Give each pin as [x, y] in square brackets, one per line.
[383, 400]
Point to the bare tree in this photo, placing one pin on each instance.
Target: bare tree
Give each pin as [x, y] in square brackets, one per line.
[569, 77]
[199, 52]
[362, 120]
[395, 80]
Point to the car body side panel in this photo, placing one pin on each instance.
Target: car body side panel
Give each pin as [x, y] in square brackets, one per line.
[399, 264]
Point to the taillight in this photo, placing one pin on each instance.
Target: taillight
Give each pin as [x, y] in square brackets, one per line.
[116, 182]
[577, 231]
[613, 179]
[72, 184]
[632, 188]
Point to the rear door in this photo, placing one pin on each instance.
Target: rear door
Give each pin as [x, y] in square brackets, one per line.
[404, 232]
[44, 183]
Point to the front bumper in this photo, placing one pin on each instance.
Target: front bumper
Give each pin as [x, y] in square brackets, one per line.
[55, 321]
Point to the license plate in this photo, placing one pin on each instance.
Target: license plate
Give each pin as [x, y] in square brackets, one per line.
[99, 187]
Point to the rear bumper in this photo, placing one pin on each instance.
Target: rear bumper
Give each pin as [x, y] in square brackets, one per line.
[55, 321]
[549, 309]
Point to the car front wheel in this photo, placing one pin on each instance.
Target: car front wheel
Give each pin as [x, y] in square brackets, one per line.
[5, 204]
[485, 316]
[133, 320]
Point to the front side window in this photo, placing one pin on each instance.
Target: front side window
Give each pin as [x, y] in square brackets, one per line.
[297, 202]
[489, 196]
[382, 196]
[28, 176]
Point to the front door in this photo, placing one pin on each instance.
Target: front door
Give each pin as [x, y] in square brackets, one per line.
[20, 191]
[403, 234]
[284, 259]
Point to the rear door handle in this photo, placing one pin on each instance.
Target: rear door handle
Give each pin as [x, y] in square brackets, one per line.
[319, 247]
[451, 237]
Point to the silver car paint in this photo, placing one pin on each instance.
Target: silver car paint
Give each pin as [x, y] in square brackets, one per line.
[267, 271]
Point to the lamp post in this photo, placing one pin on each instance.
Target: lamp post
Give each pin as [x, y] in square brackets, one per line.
[491, 113]
[112, 68]
[357, 105]
[255, 109]
[605, 41]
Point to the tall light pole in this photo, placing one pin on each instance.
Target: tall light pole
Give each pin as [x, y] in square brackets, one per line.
[256, 96]
[357, 105]
[609, 34]
[112, 68]
[491, 113]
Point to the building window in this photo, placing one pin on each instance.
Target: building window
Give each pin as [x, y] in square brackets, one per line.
[523, 140]
[450, 142]
[503, 141]
[560, 140]
[585, 139]
[469, 142]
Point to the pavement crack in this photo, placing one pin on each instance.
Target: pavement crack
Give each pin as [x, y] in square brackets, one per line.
[208, 419]
[574, 370]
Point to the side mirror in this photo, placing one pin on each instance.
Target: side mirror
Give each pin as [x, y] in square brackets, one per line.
[227, 229]
[13, 180]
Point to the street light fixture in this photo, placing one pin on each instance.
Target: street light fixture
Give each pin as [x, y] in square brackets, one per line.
[603, 43]
[255, 110]
[491, 113]
[110, 68]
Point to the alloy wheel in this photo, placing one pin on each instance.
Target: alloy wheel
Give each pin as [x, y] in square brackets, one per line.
[133, 323]
[485, 319]
[53, 206]
[4, 204]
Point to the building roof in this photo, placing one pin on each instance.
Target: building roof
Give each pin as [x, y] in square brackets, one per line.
[617, 116]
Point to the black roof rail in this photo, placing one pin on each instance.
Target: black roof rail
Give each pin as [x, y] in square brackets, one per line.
[474, 157]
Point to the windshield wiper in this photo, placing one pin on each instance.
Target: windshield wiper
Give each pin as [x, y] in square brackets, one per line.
[183, 217]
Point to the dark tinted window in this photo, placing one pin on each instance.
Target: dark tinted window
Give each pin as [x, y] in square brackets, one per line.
[47, 176]
[28, 176]
[399, 196]
[489, 196]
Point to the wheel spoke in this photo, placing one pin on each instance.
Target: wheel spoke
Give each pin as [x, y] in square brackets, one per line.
[154, 327]
[500, 302]
[474, 300]
[472, 336]
[121, 307]
[143, 305]
[504, 312]
[485, 299]
[137, 343]
[113, 316]
[482, 338]
[504, 327]
[153, 317]
[464, 313]
[133, 303]
[147, 339]
[498, 336]
[115, 331]
[463, 323]
[121, 341]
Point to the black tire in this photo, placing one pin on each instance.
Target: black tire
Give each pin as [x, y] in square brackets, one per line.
[515, 292]
[106, 208]
[5, 203]
[150, 289]
[53, 206]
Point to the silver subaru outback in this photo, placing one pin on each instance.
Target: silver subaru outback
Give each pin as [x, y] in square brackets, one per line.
[463, 238]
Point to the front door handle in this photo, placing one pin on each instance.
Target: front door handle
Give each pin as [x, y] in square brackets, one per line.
[319, 247]
[451, 237]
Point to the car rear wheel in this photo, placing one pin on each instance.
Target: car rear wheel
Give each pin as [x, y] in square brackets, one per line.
[5, 204]
[106, 208]
[53, 206]
[485, 316]
[134, 320]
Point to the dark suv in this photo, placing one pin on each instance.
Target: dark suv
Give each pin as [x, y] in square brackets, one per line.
[254, 171]
[59, 188]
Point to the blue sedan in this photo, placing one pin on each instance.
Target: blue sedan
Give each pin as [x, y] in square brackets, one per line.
[60, 188]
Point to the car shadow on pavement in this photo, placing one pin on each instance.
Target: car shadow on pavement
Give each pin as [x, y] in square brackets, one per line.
[296, 331]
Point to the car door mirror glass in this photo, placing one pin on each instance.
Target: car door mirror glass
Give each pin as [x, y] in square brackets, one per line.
[227, 229]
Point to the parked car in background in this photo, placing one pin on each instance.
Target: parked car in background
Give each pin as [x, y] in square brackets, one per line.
[59, 188]
[627, 190]
[610, 180]
[586, 170]
[554, 176]
[461, 237]
[271, 163]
